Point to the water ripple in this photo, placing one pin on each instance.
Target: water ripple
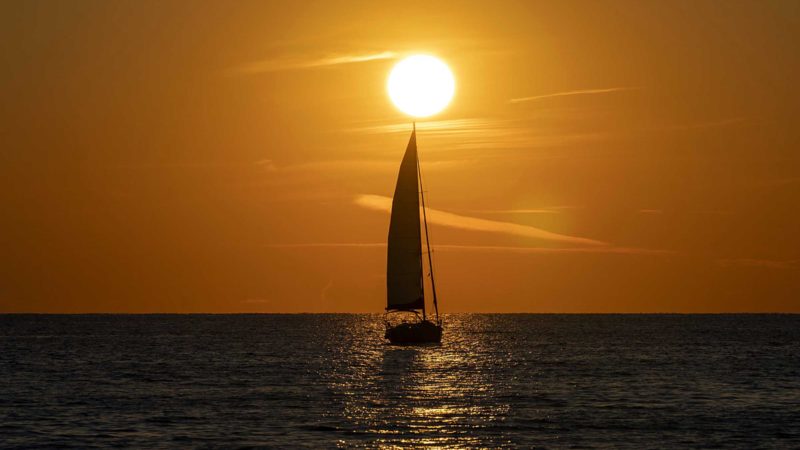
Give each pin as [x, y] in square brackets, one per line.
[330, 380]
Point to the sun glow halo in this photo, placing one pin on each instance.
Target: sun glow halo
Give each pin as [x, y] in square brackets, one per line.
[421, 85]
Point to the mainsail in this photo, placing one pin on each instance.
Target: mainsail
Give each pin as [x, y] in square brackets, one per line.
[404, 288]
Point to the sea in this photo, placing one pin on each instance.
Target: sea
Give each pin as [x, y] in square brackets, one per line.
[330, 380]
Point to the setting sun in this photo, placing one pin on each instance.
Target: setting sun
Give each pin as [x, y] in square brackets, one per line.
[421, 85]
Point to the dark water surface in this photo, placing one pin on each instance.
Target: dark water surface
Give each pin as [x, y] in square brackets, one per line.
[330, 380]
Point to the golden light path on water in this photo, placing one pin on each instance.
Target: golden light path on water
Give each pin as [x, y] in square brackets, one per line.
[433, 396]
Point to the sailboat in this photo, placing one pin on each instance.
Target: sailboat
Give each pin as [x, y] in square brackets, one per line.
[405, 287]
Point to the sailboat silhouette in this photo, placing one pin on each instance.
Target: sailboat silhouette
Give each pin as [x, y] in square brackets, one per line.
[405, 288]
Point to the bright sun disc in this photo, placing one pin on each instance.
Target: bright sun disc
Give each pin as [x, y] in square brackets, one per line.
[421, 85]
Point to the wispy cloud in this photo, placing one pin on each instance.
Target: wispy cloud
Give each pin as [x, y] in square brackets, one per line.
[257, 300]
[488, 134]
[571, 93]
[434, 127]
[605, 249]
[279, 64]
[700, 125]
[460, 134]
[381, 203]
[547, 250]
[323, 295]
[331, 245]
[754, 262]
[544, 210]
[267, 164]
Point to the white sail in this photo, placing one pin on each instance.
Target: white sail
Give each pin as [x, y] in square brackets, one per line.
[404, 289]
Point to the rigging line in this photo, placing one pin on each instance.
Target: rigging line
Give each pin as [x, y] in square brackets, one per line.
[428, 234]
[433, 263]
[427, 237]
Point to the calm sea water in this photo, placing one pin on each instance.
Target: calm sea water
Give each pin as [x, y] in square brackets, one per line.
[330, 380]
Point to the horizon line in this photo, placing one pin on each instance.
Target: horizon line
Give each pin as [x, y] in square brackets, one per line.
[662, 313]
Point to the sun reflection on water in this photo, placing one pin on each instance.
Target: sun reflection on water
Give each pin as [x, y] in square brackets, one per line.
[431, 395]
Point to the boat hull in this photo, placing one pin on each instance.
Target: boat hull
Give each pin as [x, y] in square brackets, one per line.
[423, 332]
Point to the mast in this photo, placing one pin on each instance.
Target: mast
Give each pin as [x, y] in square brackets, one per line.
[419, 175]
[427, 238]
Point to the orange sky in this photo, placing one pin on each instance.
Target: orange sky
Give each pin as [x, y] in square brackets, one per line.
[237, 157]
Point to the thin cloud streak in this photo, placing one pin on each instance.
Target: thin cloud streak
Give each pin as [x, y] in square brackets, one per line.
[330, 245]
[544, 210]
[437, 126]
[491, 248]
[380, 203]
[754, 262]
[546, 250]
[700, 125]
[494, 134]
[281, 64]
[571, 93]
